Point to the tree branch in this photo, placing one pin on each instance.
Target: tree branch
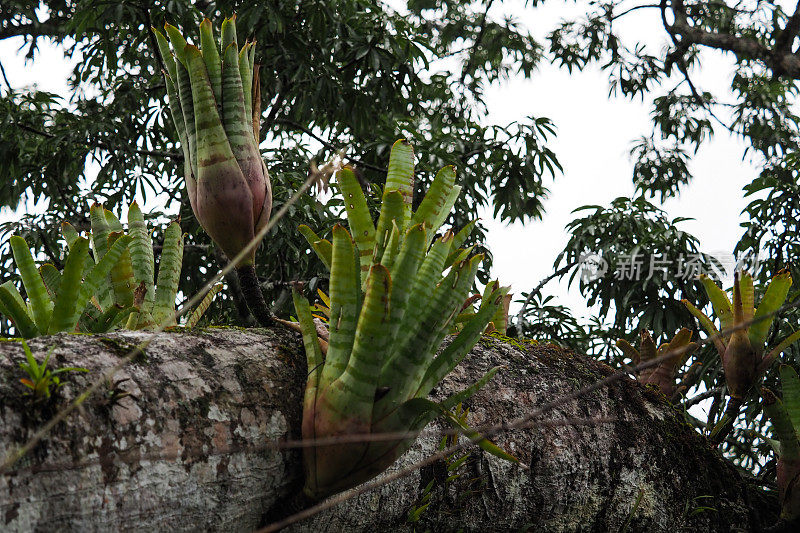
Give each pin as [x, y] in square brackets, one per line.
[782, 62]
[478, 39]
[5, 78]
[102, 144]
[325, 143]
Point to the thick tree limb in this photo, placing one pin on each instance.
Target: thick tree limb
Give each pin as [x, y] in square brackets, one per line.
[780, 59]
[194, 446]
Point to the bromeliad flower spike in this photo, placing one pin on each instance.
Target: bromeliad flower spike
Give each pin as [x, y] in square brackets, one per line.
[214, 99]
[390, 309]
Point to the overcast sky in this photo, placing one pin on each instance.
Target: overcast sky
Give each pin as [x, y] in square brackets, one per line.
[595, 133]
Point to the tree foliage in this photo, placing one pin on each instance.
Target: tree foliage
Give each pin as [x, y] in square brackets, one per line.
[347, 74]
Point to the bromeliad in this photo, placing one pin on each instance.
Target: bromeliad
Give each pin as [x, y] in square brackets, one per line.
[662, 375]
[394, 291]
[743, 353]
[741, 344]
[133, 281]
[214, 98]
[58, 300]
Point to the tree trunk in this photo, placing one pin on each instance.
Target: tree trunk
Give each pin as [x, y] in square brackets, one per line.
[189, 448]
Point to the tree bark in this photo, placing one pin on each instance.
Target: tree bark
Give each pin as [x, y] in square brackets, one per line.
[189, 449]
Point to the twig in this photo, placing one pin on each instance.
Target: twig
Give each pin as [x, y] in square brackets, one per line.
[521, 314]
[477, 43]
[3, 72]
[694, 400]
[631, 9]
[325, 143]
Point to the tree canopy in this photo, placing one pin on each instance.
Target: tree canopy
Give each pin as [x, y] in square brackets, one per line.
[342, 75]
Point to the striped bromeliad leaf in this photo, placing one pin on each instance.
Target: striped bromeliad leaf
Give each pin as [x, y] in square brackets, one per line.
[58, 301]
[215, 102]
[132, 283]
[663, 374]
[785, 418]
[393, 297]
[743, 352]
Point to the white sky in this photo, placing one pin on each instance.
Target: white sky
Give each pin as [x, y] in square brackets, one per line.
[595, 133]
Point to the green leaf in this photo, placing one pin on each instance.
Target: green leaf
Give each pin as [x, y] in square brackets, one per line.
[344, 305]
[459, 347]
[14, 309]
[203, 306]
[708, 325]
[104, 321]
[141, 252]
[785, 343]
[321, 247]
[41, 305]
[52, 279]
[310, 340]
[413, 354]
[98, 275]
[122, 277]
[65, 312]
[748, 295]
[392, 248]
[354, 391]
[460, 238]
[781, 426]
[484, 443]
[719, 301]
[448, 207]
[434, 203]
[166, 54]
[114, 225]
[169, 272]
[178, 42]
[404, 272]
[772, 301]
[791, 395]
[246, 73]
[70, 233]
[228, 33]
[358, 217]
[208, 47]
[400, 177]
[392, 210]
[100, 231]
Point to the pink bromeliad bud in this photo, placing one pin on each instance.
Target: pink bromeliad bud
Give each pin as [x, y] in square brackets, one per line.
[214, 100]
